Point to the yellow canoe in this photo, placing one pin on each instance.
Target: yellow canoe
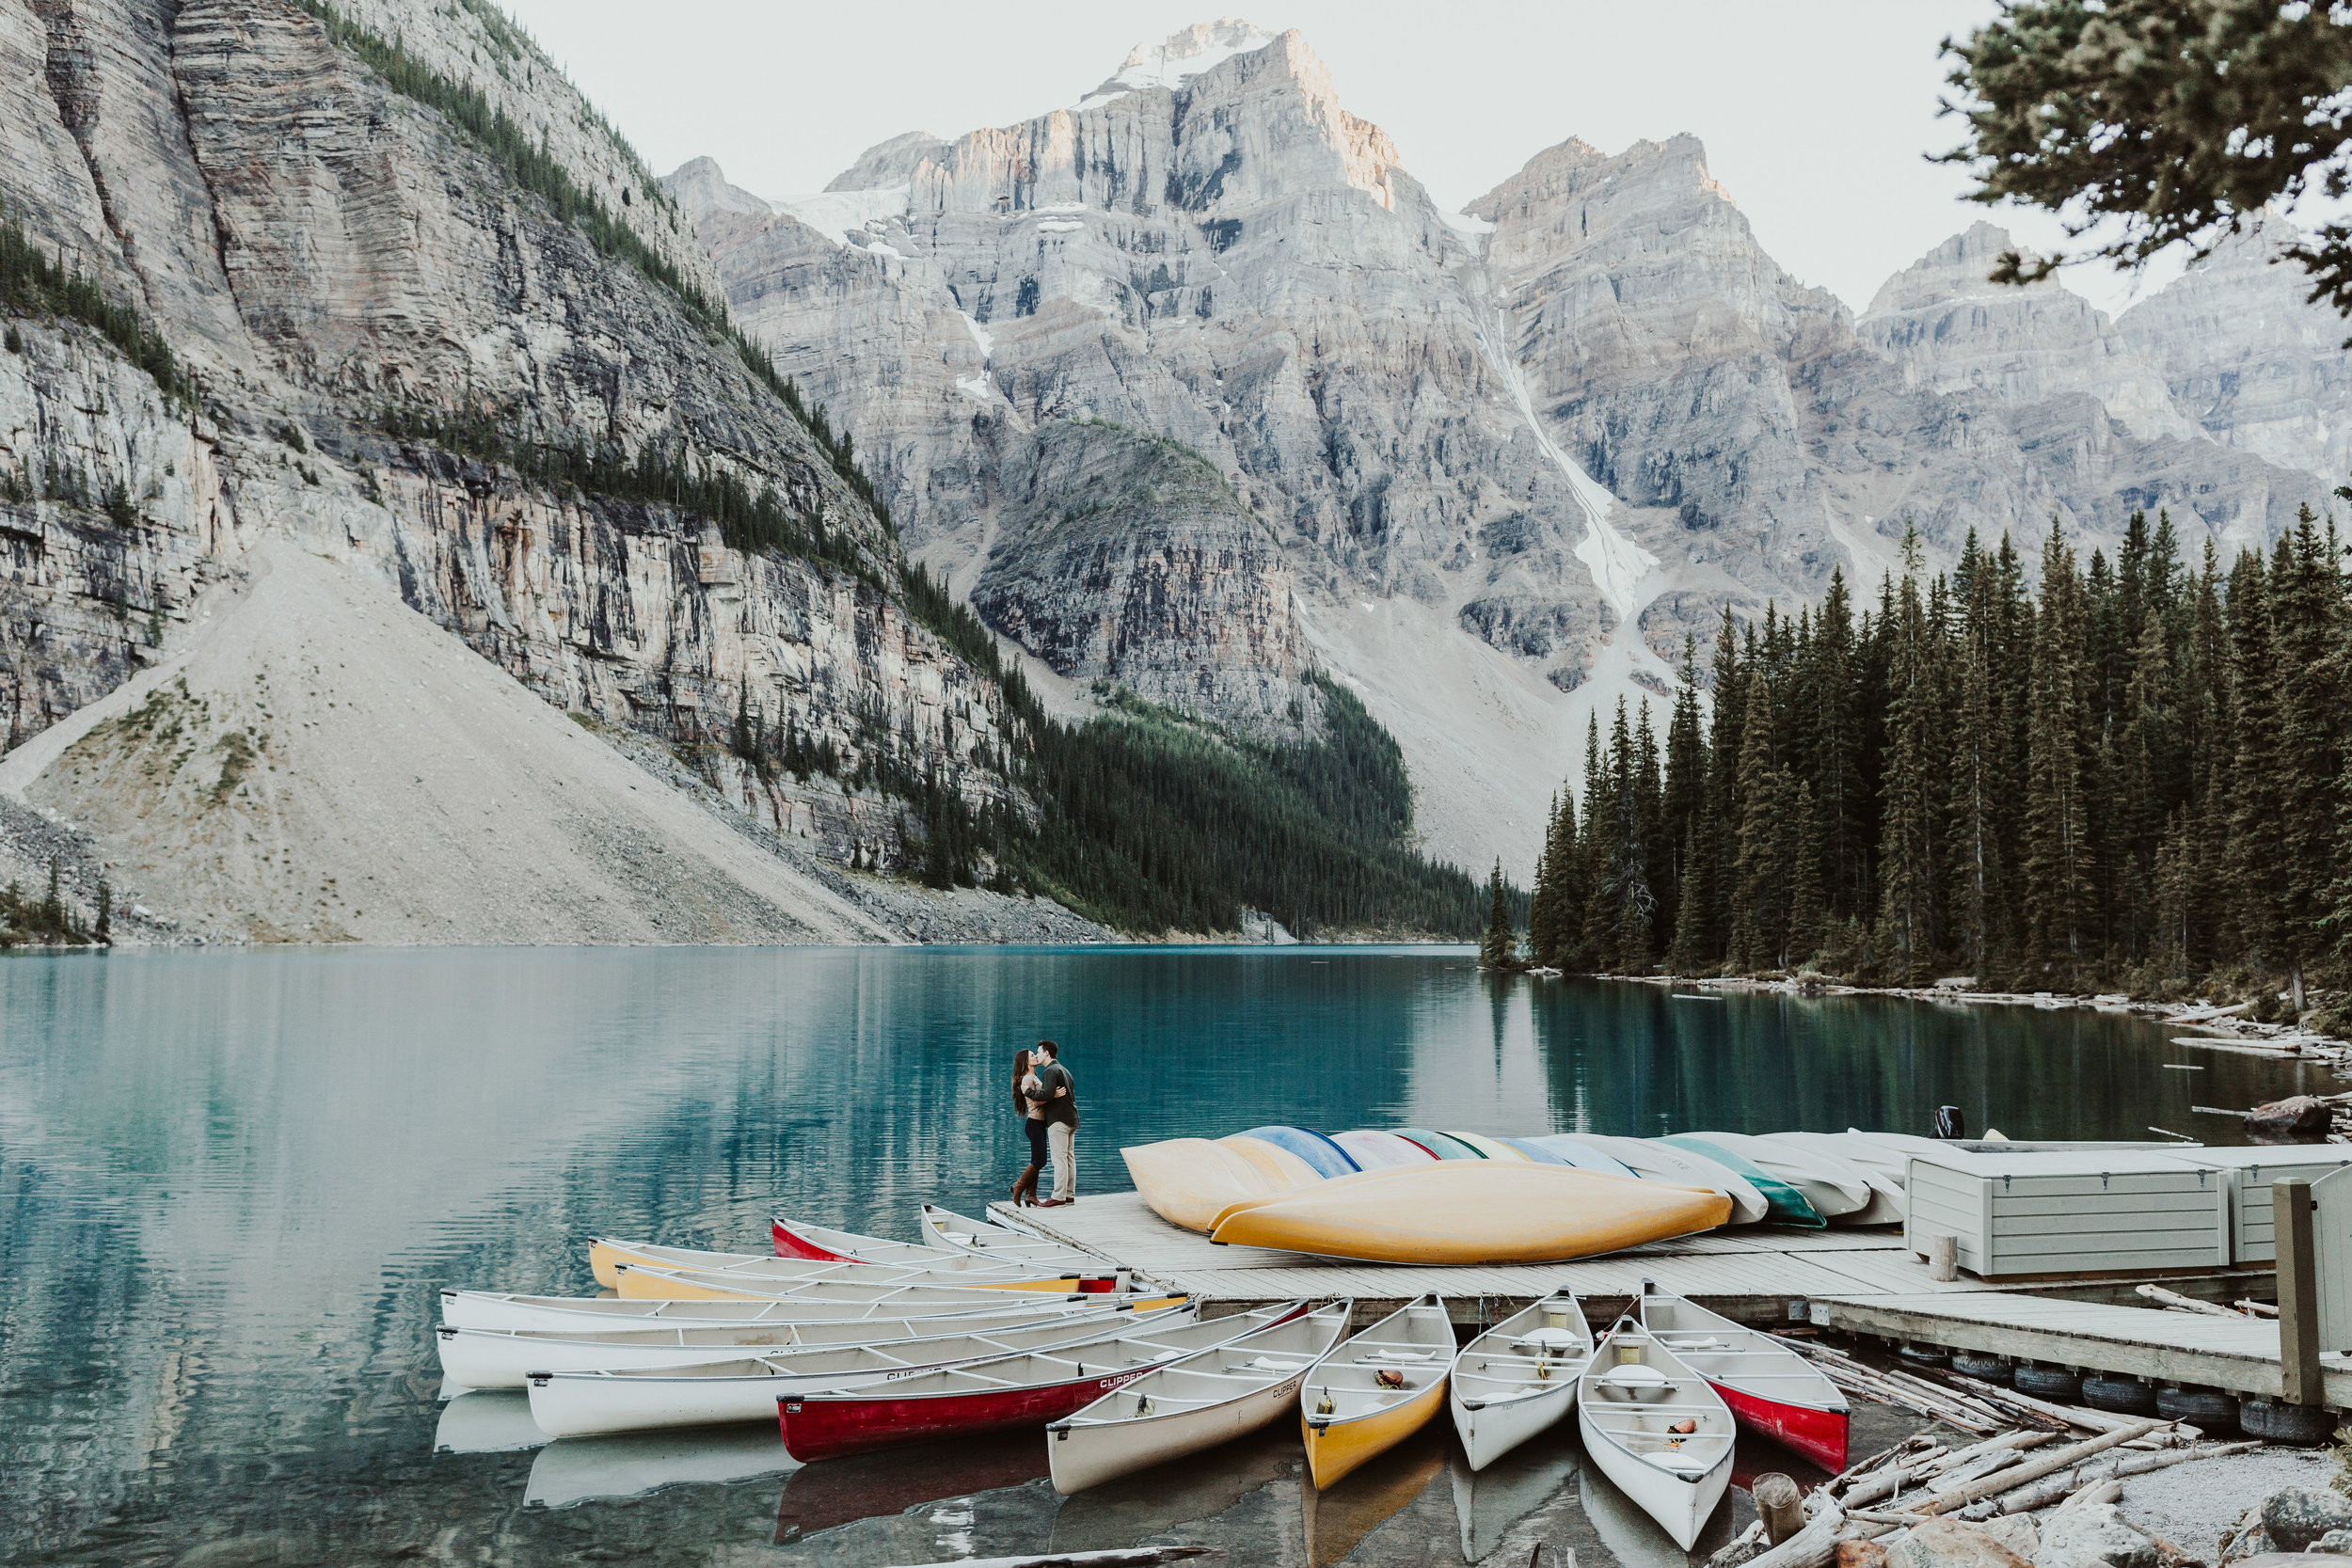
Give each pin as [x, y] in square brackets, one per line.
[1475, 1212]
[1188, 1180]
[1347, 1414]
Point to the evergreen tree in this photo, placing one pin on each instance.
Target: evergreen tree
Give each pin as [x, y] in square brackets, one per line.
[2058, 869]
[1499, 949]
[1808, 913]
[1907, 850]
[2255, 866]
[1759, 917]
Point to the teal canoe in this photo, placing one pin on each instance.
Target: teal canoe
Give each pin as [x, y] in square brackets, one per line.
[1783, 1203]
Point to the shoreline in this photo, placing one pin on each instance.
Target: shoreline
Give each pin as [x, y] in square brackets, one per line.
[2235, 1031]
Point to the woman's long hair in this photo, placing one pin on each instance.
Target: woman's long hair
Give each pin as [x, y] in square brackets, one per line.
[1019, 1070]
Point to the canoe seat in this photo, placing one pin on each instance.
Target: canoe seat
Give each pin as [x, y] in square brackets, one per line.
[1409, 1358]
[1550, 1338]
[1635, 1383]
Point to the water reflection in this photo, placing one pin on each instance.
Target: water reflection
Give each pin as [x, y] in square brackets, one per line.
[231, 1183]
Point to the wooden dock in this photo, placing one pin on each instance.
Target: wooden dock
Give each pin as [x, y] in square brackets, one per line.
[1860, 1281]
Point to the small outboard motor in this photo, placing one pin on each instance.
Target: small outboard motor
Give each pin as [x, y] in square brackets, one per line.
[1950, 1123]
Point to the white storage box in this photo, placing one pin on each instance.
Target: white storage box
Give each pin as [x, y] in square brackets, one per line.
[2251, 1172]
[2091, 1212]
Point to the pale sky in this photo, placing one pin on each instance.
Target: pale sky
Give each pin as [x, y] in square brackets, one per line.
[1814, 113]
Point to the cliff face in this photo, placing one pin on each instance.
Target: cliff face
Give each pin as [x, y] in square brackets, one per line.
[1126, 558]
[1513, 456]
[322, 249]
[2248, 357]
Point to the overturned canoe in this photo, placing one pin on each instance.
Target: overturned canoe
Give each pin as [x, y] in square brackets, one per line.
[1474, 1211]
[1377, 1150]
[1188, 1182]
[1492, 1147]
[1440, 1147]
[1784, 1204]
[1280, 1166]
[1325, 1157]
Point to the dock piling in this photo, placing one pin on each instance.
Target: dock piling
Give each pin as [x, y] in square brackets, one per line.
[2299, 1378]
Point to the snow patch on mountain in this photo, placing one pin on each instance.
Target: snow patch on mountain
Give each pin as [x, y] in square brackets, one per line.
[1622, 570]
[840, 213]
[1203, 46]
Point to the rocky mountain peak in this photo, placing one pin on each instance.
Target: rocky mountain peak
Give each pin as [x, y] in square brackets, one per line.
[1187, 52]
[1952, 329]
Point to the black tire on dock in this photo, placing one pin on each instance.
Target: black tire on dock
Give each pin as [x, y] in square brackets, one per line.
[2118, 1396]
[2049, 1382]
[1925, 1355]
[1984, 1368]
[2209, 1410]
[2273, 1423]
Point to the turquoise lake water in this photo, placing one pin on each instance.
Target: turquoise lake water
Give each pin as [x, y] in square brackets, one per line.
[230, 1185]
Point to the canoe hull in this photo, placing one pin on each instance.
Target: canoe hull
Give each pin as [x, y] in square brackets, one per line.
[1681, 1506]
[1476, 1212]
[1342, 1447]
[1187, 1181]
[1497, 1426]
[586, 1405]
[834, 1428]
[1084, 1456]
[1818, 1434]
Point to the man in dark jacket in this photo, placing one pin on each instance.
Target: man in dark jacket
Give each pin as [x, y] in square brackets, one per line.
[1058, 1093]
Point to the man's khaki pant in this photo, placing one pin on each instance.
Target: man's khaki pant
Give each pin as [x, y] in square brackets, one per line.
[1058, 1135]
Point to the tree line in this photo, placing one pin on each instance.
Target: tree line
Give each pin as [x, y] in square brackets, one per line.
[2130, 776]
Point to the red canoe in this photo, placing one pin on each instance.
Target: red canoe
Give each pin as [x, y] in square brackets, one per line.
[1004, 1394]
[1772, 1390]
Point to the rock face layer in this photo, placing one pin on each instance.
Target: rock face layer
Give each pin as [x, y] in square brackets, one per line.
[408, 343]
[1513, 456]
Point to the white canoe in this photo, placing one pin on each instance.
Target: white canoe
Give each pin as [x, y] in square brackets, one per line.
[1519, 1378]
[1210, 1397]
[1657, 1161]
[955, 1236]
[1769, 1387]
[1633, 1394]
[825, 1303]
[504, 1357]
[1838, 1152]
[607, 1257]
[1375, 1150]
[571, 1405]
[1834, 1196]
[1581, 1155]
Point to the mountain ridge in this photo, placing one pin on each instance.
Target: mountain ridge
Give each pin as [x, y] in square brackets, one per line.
[1541, 442]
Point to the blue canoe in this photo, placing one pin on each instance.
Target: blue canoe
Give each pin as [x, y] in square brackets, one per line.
[1328, 1158]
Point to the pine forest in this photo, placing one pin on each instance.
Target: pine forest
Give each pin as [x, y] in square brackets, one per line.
[2053, 775]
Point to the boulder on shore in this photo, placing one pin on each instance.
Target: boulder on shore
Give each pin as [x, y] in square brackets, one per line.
[2300, 1115]
[2094, 1535]
[1942, 1543]
[2295, 1517]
